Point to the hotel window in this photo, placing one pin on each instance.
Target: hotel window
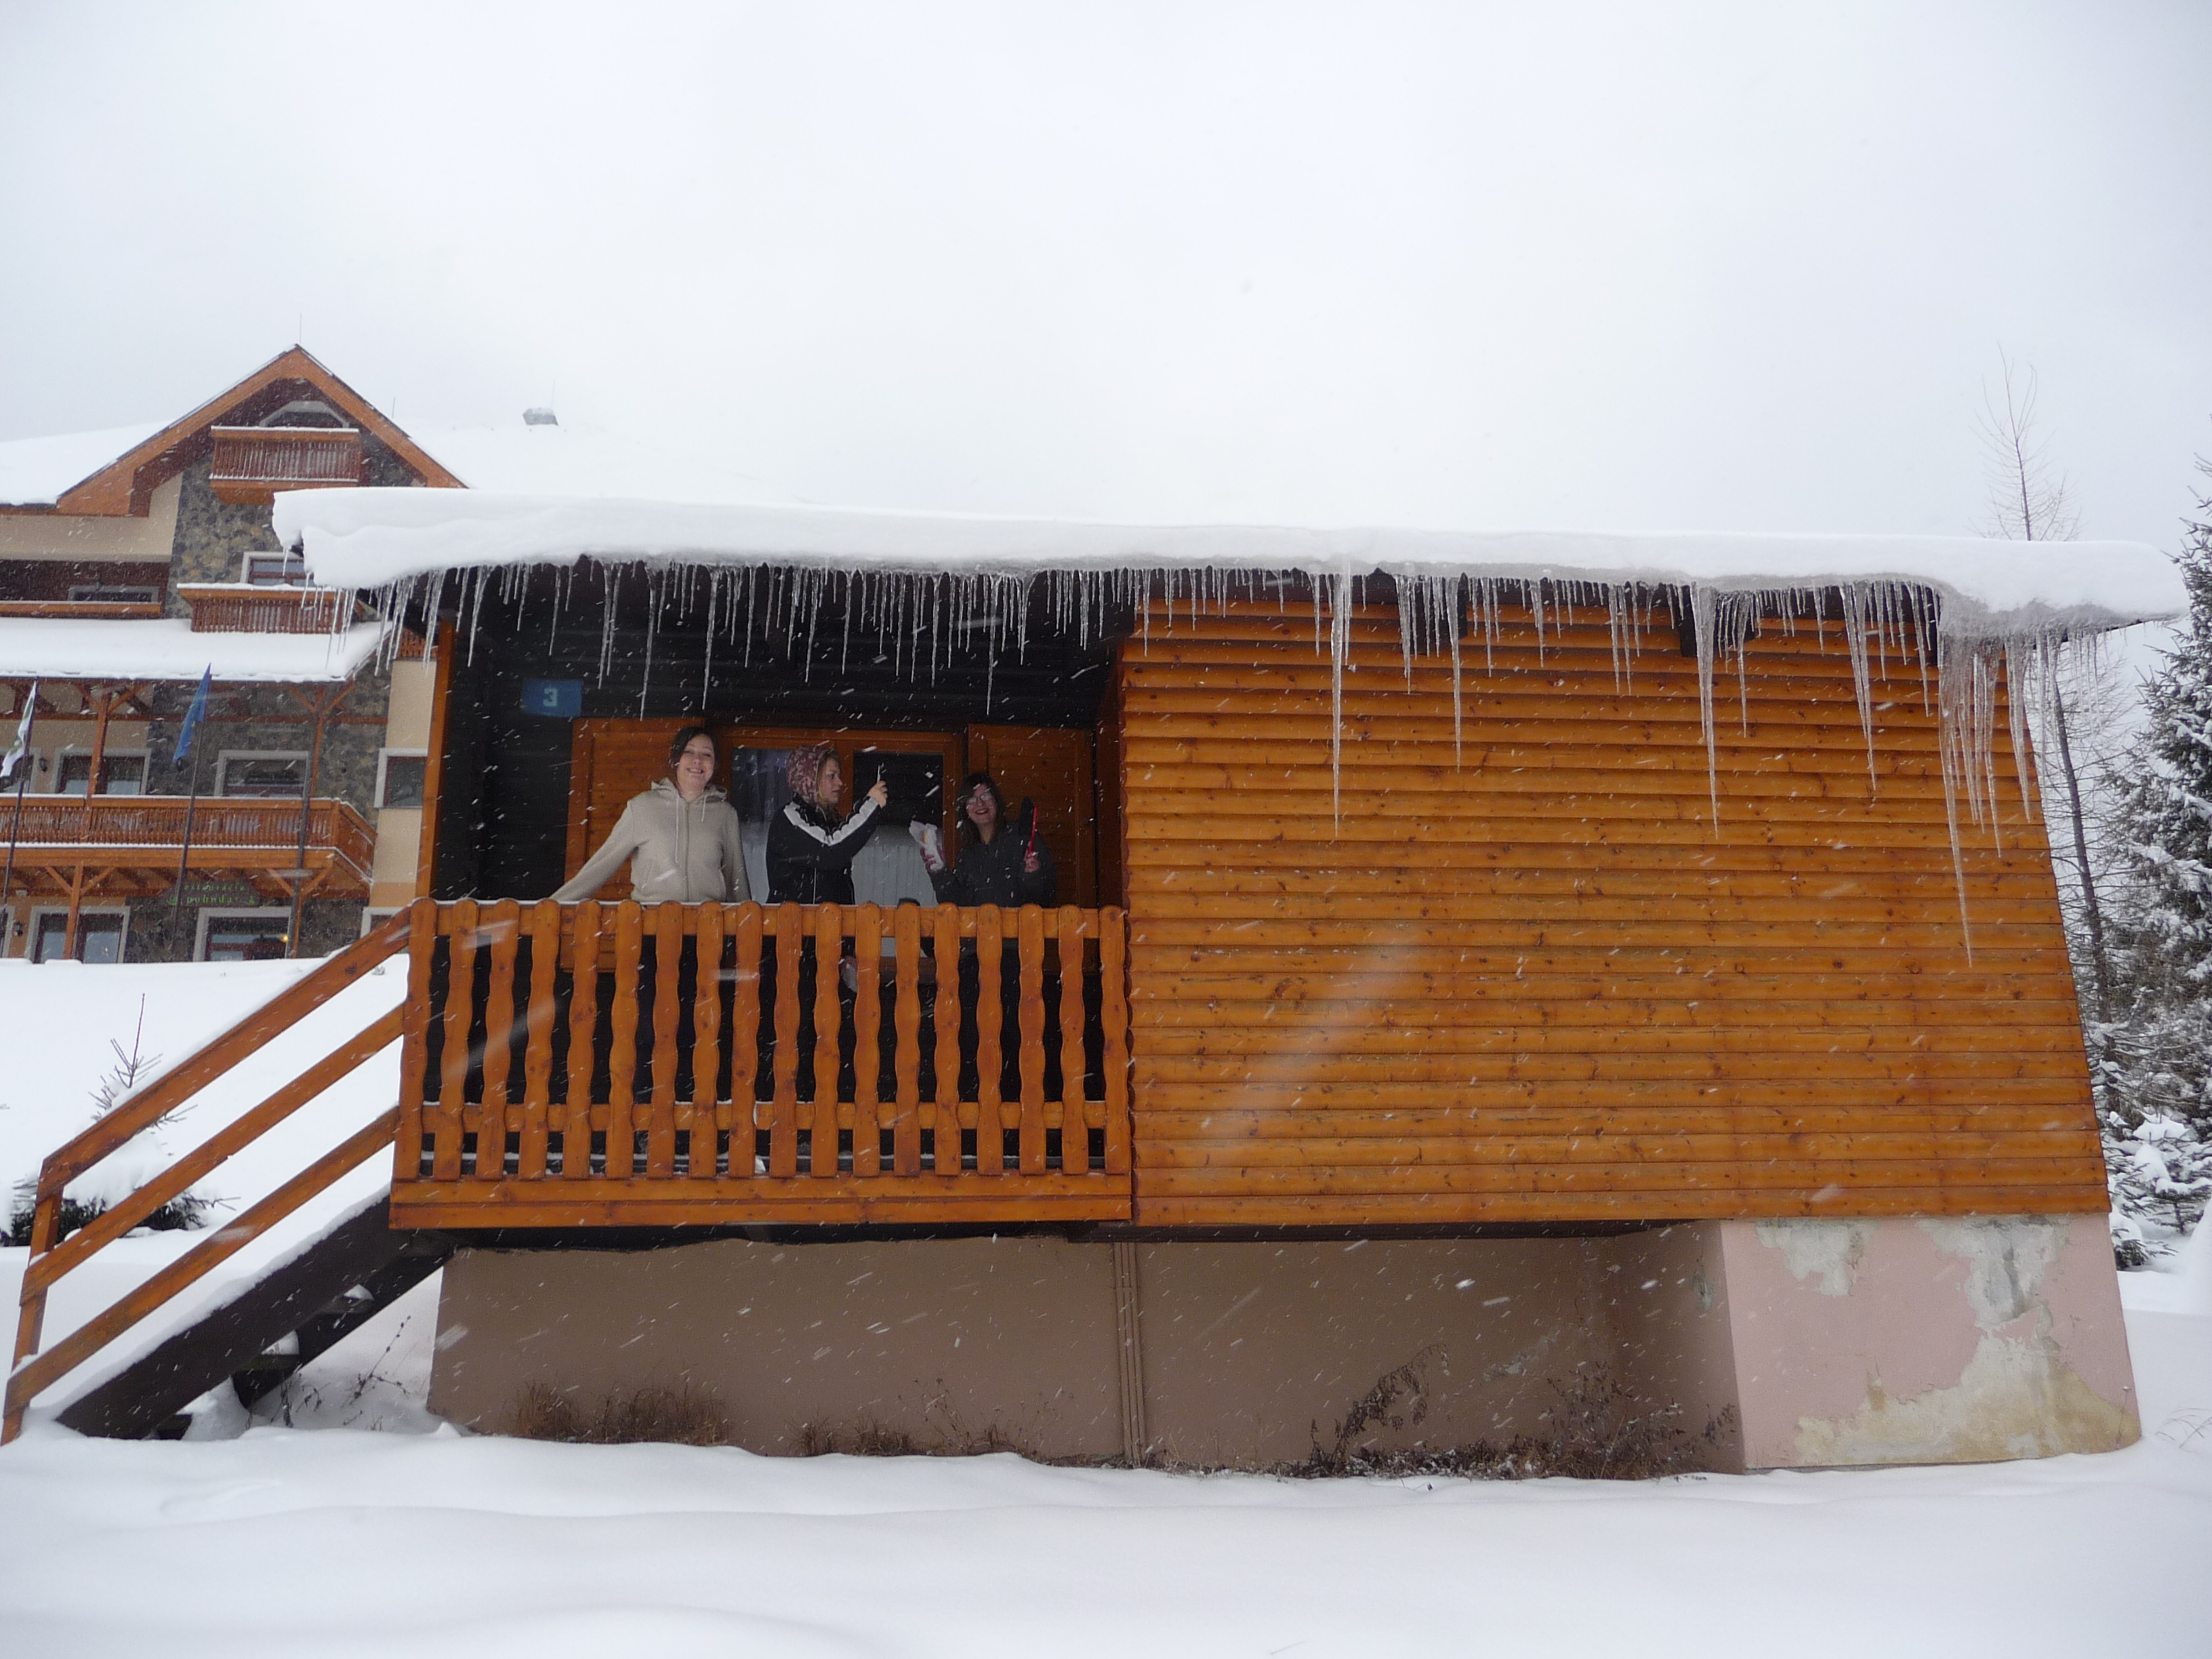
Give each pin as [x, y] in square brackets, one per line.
[265, 774]
[399, 776]
[125, 767]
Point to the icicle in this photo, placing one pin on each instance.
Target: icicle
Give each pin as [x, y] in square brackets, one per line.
[1703, 620]
[1340, 641]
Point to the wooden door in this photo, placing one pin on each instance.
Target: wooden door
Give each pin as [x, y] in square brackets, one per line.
[1052, 767]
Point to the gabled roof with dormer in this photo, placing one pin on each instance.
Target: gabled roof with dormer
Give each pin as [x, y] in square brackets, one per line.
[126, 464]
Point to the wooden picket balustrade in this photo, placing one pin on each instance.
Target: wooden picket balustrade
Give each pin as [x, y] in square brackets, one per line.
[52, 1255]
[697, 1064]
[252, 463]
[147, 831]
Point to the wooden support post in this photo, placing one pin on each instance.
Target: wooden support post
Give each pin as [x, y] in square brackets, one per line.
[744, 1041]
[990, 1019]
[906, 1057]
[708, 1118]
[783, 1122]
[828, 956]
[583, 1034]
[867, 1041]
[1030, 949]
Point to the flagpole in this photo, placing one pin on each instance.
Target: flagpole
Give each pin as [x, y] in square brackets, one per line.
[23, 761]
[8, 881]
[186, 745]
[185, 858]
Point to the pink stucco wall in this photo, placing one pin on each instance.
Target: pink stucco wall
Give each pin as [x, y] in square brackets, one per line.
[1914, 1341]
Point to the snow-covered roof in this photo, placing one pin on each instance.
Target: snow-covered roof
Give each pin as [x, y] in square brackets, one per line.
[364, 538]
[34, 471]
[168, 649]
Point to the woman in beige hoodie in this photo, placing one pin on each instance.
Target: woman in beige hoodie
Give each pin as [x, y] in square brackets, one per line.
[680, 836]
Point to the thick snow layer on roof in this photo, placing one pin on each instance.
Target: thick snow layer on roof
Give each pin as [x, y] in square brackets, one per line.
[167, 649]
[367, 538]
[34, 471]
[584, 461]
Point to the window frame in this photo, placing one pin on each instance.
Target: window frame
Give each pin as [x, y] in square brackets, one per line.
[85, 912]
[383, 757]
[224, 757]
[70, 751]
[201, 927]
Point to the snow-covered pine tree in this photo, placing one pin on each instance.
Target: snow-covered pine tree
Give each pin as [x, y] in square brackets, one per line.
[2159, 1103]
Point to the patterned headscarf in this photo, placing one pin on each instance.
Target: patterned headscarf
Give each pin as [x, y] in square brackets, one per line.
[803, 771]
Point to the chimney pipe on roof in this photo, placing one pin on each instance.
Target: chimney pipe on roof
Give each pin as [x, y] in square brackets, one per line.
[539, 416]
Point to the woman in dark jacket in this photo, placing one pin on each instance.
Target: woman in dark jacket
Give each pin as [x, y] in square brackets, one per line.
[812, 844]
[1001, 862]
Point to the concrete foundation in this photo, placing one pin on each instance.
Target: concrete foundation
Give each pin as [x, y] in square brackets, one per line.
[1766, 1345]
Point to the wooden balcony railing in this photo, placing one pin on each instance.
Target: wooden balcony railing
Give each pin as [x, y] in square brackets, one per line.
[673, 1064]
[252, 463]
[247, 608]
[147, 831]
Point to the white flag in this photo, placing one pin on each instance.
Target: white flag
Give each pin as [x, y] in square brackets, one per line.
[19, 750]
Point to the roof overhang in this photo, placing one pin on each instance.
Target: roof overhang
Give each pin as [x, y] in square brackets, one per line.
[373, 539]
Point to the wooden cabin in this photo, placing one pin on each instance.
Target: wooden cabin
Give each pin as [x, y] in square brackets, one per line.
[1530, 989]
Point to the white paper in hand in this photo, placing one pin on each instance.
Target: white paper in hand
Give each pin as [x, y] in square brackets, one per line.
[926, 837]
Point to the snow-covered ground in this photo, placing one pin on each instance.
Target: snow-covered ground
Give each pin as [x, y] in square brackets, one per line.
[347, 1542]
[365, 1527]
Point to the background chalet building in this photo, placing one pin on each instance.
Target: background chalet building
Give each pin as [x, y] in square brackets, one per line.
[133, 562]
[1488, 975]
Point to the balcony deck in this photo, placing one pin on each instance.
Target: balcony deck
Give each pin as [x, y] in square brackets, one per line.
[693, 1065]
[136, 841]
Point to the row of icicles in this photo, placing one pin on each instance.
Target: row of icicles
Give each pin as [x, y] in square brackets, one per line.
[924, 618]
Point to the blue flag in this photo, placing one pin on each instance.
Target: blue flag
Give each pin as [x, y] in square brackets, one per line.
[193, 716]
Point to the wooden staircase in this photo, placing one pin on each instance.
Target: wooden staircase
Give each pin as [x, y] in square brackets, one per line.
[355, 1267]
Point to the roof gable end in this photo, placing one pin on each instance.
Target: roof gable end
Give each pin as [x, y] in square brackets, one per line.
[126, 484]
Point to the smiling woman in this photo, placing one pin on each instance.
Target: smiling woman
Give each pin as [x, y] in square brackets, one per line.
[680, 835]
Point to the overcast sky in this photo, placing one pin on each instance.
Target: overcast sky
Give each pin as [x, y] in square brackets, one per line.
[1505, 267]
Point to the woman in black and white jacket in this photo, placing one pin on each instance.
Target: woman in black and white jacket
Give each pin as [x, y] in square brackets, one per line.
[811, 843]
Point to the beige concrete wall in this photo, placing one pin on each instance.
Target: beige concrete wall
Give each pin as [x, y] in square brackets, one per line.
[1254, 1353]
[407, 722]
[950, 1341]
[71, 535]
[1926, 1341]
[1766, 1345]
[1246, 1353]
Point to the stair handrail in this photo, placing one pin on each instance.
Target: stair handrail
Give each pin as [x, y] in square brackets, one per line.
[50, 1257]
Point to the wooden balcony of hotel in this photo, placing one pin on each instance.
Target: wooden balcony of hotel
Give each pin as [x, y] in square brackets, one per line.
[126, 845]
[252, 463]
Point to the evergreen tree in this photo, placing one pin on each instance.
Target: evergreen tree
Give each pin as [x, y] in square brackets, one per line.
[2159, 1104]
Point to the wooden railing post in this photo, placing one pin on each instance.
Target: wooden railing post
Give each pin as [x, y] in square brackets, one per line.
[668, 919]
[906, 1054]
[583, 1033]
[783, 1122]
[622, 1065]
[460, 931]
[1074, 1121]
[945, 1110]
[1030, 935]
[828, 956]
[867, 1039]
[745, 1043]
[707, 1119]
[501, 929]
[543, 927]
[990, 1018]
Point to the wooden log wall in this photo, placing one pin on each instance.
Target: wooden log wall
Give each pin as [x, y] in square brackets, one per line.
[1530, 980]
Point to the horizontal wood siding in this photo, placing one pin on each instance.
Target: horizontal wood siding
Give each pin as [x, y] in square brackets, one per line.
[1527, 980]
